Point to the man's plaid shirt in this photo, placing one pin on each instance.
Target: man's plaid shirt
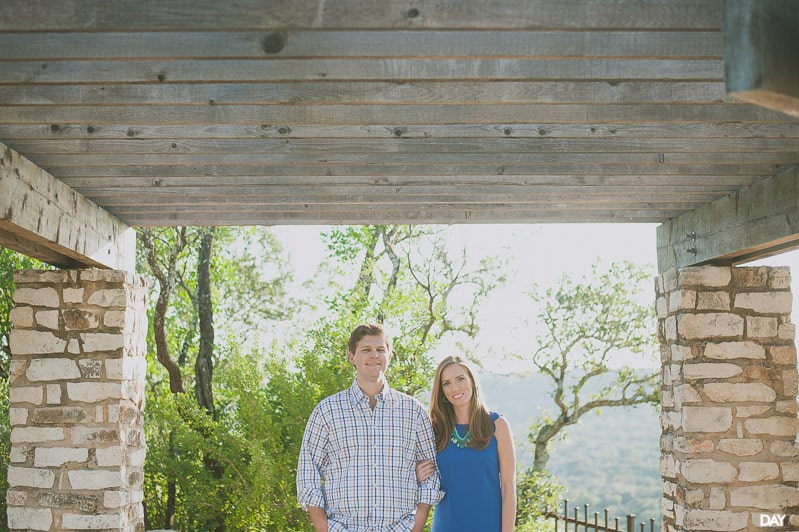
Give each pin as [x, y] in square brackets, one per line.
[359, 464]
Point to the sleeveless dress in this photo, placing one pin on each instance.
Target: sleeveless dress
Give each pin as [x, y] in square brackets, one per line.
[470, 478]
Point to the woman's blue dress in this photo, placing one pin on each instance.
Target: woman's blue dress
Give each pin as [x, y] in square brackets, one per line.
[470, 478]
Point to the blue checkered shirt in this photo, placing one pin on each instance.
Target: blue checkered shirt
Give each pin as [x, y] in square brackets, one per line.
[359, 464]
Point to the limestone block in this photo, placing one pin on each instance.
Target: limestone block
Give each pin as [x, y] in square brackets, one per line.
[110, 456]
[136, 458]
[749, 411]
[52, 369]
[670, 328]
[36, 434]
[118, 319]
[775, 426]
[693, 445]
[73, 346]
[722, 392]
[16, 497]
[115, 498]
[784, 448]
[787, 407]
[40, 276]
[102, 342]
[783, 354]
[685, 393]
[730, 350]
[108, 276]
[72, 295]
[787, 331]
[761, 327]
[705, 276]
[750, 277]
[93, 392]
[715, 300]
[18, 453]
[705, 471]
[682, 300]
[126, 368]
[790, 471]
[95, 479]
[18, 416]
[765, 302]
[718, 498]
[26, 394]
[661, 307]
[116, 297]
[84, 503]
[680, 353]
[706, 419]
[37, 297]
[16, 369]
[716, 520]
[92, 522]
[765, 497]
[48, 318]
[758, 471]
[59, 415]
[94, 435]
[81, 319]
[29, 518]
[715, 370]
[790, 383]
[53, 394]
[710, 325]
[90, 368]
[57, 456]
[779, 278]
[21, 317]
[30, 477]
[25, 342]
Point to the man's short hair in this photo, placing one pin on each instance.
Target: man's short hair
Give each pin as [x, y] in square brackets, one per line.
[367, 329]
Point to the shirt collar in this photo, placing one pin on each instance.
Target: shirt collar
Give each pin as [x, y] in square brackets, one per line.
[357, 395]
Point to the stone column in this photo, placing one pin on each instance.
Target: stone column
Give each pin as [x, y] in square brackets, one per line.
[77, 395]
[729, 389]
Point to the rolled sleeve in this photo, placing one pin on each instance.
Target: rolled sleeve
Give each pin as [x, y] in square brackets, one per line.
[311, 463]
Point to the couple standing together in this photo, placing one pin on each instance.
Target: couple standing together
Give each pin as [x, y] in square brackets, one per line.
[372, 461]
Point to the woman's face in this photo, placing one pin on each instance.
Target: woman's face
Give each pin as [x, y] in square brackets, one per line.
[457, 385]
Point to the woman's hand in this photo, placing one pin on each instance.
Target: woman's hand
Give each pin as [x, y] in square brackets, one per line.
[425, 470]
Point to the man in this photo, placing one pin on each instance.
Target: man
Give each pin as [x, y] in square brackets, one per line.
[356, 469]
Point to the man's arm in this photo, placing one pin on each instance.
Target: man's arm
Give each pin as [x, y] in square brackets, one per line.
[319, 518]
[430, 489]
[310, 494]
[420, 518]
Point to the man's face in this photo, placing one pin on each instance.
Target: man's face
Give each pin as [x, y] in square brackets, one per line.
[371, 356]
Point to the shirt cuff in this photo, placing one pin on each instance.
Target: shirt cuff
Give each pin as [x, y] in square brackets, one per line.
[429, 495]
[311, 497]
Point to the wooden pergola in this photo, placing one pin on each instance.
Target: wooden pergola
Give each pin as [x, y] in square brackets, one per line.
[200, 112]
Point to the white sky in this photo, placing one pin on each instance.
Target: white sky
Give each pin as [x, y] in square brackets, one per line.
[540, 254]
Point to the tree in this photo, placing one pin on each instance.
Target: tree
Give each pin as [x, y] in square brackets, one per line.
[583, 326]
[199, 271]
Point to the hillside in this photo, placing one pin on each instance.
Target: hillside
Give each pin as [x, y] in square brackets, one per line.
[610, 460]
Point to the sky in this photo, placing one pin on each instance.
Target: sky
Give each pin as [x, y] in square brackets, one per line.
[540, 253]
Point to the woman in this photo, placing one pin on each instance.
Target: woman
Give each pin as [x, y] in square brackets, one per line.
[476, 456]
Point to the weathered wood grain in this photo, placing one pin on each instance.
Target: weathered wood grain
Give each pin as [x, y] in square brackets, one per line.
[41, 216]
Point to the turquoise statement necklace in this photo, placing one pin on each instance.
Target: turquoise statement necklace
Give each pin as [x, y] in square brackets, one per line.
[458, 440]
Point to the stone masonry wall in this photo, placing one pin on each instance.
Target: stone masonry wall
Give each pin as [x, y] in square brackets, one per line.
[77, 398]
[729, 398]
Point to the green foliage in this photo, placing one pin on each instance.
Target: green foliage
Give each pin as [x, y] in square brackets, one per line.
[536, 492]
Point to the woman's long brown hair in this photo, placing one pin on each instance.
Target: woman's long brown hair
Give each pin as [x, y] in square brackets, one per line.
[442, 415]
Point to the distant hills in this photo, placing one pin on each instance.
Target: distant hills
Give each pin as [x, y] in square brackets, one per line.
[609, 460]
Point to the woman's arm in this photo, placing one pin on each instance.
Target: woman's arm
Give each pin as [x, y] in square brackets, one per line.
[507, 473]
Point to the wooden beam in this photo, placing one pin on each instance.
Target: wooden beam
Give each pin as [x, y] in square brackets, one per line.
[45, 219]
[760, 46]
[758, 221]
